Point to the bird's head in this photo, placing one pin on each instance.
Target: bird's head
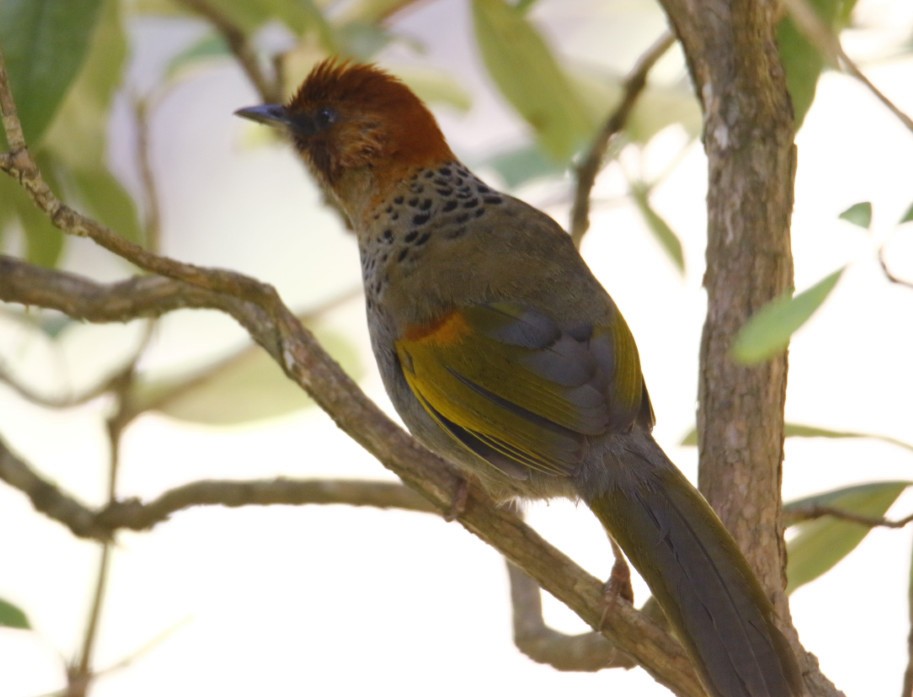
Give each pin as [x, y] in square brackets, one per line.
[357, 127]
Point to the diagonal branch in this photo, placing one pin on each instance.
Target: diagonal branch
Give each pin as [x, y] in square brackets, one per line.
[588, 168]
[270, 90]
[257, 307]
[829, 46]
[818, 511]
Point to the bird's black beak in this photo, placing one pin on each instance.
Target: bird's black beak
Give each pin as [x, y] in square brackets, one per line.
[277, 116]
[274, 115]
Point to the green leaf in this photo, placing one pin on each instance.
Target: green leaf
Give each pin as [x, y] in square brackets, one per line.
[819, 544]
[43, 242]
[802, 61]
[792, 430]
[44, 43]
[369, 11]
[526, 72]
[768, 332]
[436, 86]
[210, 48]
[298, 15]
[107, 200]
[803, 431]
[858, 214]
[12, 617]
[80, 135]
[521, 165]
[661, 230]
[75, 148]
[245, 387]
[907, 217]
[658, 106]
[362, 40]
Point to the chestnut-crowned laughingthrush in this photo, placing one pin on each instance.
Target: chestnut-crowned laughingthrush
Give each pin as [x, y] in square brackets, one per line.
[502, 352]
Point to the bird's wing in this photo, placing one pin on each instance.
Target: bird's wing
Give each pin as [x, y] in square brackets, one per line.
[517, 389]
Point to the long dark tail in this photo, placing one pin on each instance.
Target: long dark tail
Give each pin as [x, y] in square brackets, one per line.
[694, 568]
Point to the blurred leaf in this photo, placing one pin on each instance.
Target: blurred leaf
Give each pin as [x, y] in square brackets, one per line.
[247, 16]
[858, 214]
[298, 15]
[661, 230]
[802, 61]
[819, 544]
[436, 86]
[522, 165]
[44, 44]
[803, 431]
[769, 330]
[12, 617]
[362, 40]
[106, 199]
[76, 145]
[43, 241]
[523, 67]
[210, 48]
[370, 11]
[81, 132]
[161, 8]
[245, 387]
[658, 106]
[53, 323]
[907, 217]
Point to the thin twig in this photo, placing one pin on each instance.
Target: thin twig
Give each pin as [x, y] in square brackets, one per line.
[582, 652]
[828, 44]
[82, 673]
[64, 401]
[48, 498]
[907, 689]
[132, 514]
[591, 163]
[820, 511]
[269, 89]
[890, 275]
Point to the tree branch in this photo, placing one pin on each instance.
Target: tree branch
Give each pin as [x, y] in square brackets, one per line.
[886, 270]
[584, 652]
[829, 46]
[732, 55]
[588, 168]
[814, 512]
[257, 307]
[748, 138]
[270, 90]
[48, 499]
[132, 514]
[907, 688]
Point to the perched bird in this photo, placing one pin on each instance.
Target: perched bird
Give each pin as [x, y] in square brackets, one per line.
[502, 352]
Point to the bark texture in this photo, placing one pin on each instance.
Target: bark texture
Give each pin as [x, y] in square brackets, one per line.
[748, 137]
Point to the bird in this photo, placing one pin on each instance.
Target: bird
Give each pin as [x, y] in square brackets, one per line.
[502, 352]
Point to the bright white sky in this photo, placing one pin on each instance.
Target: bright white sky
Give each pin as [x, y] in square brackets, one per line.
[334, 601]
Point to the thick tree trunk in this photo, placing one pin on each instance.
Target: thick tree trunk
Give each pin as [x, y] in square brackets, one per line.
[748, 137]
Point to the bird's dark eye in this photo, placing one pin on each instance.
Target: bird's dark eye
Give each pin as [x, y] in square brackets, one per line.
[326, 116]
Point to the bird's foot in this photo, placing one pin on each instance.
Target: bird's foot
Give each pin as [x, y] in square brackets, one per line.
[618, 587]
